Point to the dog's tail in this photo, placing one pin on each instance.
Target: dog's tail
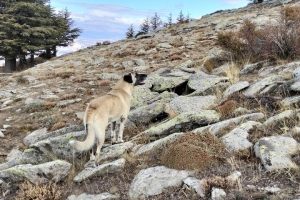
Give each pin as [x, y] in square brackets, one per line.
[90, 139]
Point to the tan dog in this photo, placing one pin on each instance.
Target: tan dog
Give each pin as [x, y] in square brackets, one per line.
[111, 107]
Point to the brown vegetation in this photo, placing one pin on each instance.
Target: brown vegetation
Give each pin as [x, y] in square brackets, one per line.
[276, 40]
[194, 151]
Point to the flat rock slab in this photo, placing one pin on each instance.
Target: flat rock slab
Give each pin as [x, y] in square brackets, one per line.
[220, 126]
[58, 147]
[275, 152]
[115, 150]
[259, 86]
[145, 114]
[202, 81]
[200, 117]
[84, 196]
[236, 87]
[188, 104]
[113, 167]
[153, 181]
[158, 143]
[42, 134]
[280, 118]
[56, 170]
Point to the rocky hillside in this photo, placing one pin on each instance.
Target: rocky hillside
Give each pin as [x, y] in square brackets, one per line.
[202, 127]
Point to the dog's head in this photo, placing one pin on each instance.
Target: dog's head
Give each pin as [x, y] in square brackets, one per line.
[135, 78]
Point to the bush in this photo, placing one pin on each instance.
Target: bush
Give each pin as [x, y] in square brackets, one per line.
[194, 151]
[50, 191]
[280, 40]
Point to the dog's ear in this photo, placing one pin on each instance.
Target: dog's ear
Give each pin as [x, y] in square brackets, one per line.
[128, 78]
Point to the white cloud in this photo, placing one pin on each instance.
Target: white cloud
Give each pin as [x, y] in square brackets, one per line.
[74, 47]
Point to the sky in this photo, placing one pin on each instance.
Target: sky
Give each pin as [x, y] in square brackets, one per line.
[102, 20]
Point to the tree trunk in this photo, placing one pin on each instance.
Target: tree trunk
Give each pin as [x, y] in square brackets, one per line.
[54, 51]
[22, 62]
[48, 53]
[32, 57]
[10, 64]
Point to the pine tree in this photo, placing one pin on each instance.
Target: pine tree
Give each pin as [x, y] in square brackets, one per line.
[145, 26]
[155, 21]
[180, 18]
[130, 32]
[187, 18]
[169, 23]
[26, 27]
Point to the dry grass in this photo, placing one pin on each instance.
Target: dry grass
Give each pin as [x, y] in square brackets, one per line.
[177, 42]
[68, 96]
[232, 72]
[58, 125]
[211, 63]
[105, 83]
[227, 108]
[50, 191]
[175, 57]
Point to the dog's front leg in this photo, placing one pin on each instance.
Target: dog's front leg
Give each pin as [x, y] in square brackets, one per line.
[120, 135]
[113, 132]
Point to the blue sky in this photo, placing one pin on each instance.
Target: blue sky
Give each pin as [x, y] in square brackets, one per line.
[102, 20]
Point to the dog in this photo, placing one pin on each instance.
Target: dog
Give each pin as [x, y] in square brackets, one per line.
[113, 106]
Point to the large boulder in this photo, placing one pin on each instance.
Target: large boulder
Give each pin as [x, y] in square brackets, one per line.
[275, 152]
[167, 80]
[58, 147]
[202, 81]
[236, 140]
[146, 114]
[29, 156]
[56, 170]
[153, 181]
[188, 104]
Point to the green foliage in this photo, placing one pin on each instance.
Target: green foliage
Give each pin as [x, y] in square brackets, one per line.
[155, 21]
[145, 26]
[130, 32]
[180, 18]
[29, 26]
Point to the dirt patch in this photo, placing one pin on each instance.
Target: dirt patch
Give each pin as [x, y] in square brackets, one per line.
[194, 151]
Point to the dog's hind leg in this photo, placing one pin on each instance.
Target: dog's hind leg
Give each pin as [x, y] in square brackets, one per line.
[100, 126]
[120, 135]
[113, 132]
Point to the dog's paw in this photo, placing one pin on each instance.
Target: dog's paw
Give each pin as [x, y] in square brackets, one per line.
[91, 164]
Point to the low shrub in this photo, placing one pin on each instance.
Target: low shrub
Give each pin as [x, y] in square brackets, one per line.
[50, 191]
[276, 40]
[194, 151]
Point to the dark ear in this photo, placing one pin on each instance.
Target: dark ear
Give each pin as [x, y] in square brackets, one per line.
[128, 78]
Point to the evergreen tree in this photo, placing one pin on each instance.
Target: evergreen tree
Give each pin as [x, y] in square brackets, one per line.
[180, 18]
[66, 34]
[130, 32]
[155, 21]
[145, 26]
[187, 18]
[28, 26]
[169, 23]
